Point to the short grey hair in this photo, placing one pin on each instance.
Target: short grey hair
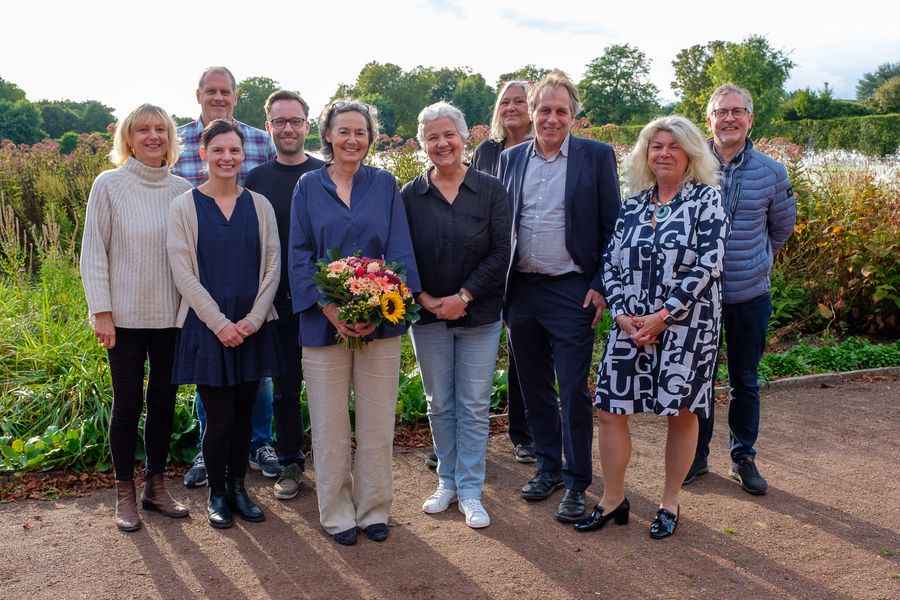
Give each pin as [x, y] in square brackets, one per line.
[555, 79]
[498, 129]
[724, 90]
[217, 69]
[333, 109]
[436, 111]
[702, 164]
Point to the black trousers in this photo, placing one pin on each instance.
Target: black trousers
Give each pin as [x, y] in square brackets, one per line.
[226, 440]
[286, 388]
[127, 361]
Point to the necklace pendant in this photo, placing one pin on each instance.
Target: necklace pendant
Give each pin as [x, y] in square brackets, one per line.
[662, 212]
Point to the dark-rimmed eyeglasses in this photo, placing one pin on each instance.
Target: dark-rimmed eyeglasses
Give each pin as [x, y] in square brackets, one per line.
[279, 123]
[737, 112]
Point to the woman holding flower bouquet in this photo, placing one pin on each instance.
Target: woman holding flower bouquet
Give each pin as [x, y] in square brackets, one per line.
[460, 222]
[224, 251]
[352, 211]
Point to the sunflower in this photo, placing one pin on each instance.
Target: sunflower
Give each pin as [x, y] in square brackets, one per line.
[392, 307]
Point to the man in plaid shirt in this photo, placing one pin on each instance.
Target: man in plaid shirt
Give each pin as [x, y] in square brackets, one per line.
[217, 96]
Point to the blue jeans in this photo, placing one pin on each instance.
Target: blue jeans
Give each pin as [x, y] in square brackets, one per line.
[746, 326]
[262, 416]
[457, 365]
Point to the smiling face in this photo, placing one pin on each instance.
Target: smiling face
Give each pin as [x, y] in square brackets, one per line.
[552, 119]
[217, 97]
[443, 144]
[667, 160]
[730, 132]
[150, 141]
[224, 155]
[514, 110]
[288, 140]
[349, 137]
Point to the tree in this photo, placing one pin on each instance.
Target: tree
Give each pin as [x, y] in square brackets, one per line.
[252, 94]
[20, 121]
[752, 64]
[527, 73]
[870, 82]
[886, 98]
[60, 116]
[475, 98]
[616, 88]
[58, 119]
[692, 80]
[445, 81]
[10, 91]
[95, 116]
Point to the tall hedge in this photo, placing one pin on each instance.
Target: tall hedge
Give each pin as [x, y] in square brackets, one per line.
[873, 134]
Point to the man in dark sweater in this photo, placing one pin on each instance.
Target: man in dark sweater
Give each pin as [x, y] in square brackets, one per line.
[287, 124]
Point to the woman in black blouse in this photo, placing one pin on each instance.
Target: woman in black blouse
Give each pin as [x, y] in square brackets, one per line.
[459, 219]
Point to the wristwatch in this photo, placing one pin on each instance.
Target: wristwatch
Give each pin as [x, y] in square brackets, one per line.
[667, 318]
[464, 296]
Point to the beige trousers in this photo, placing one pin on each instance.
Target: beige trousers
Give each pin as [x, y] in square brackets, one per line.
[359, 495]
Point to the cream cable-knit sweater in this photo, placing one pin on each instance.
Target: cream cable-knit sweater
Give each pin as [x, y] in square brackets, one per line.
[124, 264]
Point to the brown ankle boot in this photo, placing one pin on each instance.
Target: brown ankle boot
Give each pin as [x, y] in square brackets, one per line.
[156, 497]
[127, 518]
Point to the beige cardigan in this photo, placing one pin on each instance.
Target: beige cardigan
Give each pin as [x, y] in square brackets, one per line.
[181, 244]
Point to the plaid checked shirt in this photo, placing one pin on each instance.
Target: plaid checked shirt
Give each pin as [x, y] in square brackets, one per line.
[258, 149]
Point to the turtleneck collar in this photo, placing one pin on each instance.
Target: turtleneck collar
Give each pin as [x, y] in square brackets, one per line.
[153, 175]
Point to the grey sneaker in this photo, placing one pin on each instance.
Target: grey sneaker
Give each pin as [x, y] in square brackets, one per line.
[431, 460]
[698, 468]
[745, 472]
[525, 453]
[196, 475]
[266, 460]
[287, 485]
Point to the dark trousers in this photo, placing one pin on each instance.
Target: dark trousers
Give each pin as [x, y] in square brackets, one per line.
[127, 360]
[746, 325]
[286, 389]
[552, 339]
[226, 439]
[515, 404]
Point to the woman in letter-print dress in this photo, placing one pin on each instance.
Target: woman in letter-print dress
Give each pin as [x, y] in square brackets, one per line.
[677, 266]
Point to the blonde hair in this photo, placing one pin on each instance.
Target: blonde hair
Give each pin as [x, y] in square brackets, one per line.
[498, 129]
[702, 165]
[122, 148]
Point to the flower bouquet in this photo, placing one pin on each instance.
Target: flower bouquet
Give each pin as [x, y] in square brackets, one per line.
[366, 290]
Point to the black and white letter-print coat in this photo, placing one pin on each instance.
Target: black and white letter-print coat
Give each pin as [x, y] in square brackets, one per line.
[678, 265]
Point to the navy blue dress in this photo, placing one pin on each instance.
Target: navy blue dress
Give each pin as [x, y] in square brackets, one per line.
[228, 257]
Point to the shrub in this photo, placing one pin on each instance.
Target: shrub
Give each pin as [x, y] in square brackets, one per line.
[877, 135]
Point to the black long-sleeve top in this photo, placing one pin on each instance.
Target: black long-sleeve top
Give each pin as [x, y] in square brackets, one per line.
[461, 245]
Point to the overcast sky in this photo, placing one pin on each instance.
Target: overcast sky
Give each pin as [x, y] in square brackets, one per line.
[124, 53]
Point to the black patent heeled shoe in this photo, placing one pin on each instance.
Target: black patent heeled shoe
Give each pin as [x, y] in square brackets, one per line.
[664, 524]
[597, 519]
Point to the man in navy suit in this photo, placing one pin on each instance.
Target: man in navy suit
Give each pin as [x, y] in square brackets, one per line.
[565, 199]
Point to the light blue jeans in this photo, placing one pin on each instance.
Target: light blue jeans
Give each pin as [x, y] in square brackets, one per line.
[457, 365]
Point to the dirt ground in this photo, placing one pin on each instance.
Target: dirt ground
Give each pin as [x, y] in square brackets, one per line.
[829, 528]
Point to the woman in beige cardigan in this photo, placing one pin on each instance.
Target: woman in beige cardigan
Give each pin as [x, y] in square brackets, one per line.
[133, 301]
[224, 250]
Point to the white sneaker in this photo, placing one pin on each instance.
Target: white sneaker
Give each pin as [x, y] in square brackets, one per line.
[476, 516]
[440, 500]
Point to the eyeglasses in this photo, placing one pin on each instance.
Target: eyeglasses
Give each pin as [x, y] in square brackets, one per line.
[340, 106]
[296, 122]
[737, 112]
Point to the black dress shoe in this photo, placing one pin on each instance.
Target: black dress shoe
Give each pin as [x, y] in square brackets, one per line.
[217, 512]
[377, 532]
[239, 501]
[542, 486]
[664, 524]
[346, 537]
[571, 508]
[598, 519]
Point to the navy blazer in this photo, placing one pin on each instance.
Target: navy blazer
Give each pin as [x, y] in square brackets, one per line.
[592, 200]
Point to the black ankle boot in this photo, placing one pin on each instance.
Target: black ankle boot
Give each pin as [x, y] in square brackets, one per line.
[239, 501]
[217, 512]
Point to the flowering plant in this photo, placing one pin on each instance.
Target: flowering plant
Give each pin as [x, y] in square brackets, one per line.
[366, 290]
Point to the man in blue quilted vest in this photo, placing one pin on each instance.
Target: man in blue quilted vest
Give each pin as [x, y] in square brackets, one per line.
[758, 197]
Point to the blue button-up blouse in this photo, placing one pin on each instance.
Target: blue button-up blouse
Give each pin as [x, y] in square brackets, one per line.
[374, 224]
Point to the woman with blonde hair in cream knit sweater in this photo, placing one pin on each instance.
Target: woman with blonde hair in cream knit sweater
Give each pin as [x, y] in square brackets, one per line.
[133, 301]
